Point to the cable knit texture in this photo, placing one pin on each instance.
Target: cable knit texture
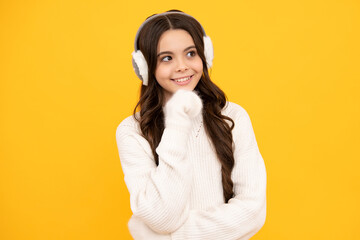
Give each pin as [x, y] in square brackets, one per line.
[182, 197]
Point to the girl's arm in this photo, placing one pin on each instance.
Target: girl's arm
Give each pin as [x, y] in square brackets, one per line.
[159, 194]
[244, 214]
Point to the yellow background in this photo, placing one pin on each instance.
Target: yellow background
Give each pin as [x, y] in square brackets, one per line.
[66, 82]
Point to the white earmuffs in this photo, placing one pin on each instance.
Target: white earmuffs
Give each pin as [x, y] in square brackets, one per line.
[138, 60]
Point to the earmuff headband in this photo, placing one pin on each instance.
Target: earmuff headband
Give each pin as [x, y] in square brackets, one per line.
[138, 60]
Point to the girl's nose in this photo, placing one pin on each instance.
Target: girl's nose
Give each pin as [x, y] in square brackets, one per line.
[181, 69]
[182, 66]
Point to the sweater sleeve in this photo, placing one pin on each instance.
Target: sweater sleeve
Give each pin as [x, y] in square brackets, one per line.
[158, 194]
[245, 213]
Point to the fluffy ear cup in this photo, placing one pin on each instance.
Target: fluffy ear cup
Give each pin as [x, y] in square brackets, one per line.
[140, 66]
[208, 51]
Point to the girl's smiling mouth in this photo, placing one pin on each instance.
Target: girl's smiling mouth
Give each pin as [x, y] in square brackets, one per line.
[182, 80]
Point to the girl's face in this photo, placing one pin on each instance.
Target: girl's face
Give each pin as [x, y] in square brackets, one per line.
[178, 64]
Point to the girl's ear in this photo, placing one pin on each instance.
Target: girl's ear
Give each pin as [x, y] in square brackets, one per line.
[140, 66]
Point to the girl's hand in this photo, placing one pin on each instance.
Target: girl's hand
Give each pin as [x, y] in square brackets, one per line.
[183, 106]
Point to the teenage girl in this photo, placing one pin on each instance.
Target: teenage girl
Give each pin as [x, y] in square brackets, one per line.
[190, 158]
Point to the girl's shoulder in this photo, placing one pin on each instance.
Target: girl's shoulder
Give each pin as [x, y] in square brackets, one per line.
[129, 124]
[234, 111]
[243, 126]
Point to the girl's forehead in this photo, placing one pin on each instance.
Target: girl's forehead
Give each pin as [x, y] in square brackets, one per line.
[177, 39]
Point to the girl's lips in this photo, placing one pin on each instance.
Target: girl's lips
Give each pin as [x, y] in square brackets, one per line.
[183, 80]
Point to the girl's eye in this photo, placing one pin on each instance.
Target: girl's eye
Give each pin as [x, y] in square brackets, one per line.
[191, 54]
[166, 59]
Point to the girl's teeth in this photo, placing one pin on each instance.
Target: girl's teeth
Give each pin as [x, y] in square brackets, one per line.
[182, 79]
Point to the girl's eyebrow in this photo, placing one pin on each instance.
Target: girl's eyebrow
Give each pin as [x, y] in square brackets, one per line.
[168, 52]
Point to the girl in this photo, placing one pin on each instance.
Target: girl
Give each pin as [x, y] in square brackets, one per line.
[190, 159]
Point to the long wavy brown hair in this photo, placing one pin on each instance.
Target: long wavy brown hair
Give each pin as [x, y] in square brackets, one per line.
[152, 96]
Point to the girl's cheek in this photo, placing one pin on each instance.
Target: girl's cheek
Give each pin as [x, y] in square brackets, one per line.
[200, 65]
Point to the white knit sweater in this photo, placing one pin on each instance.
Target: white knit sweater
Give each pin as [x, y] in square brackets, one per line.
[182, 197]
